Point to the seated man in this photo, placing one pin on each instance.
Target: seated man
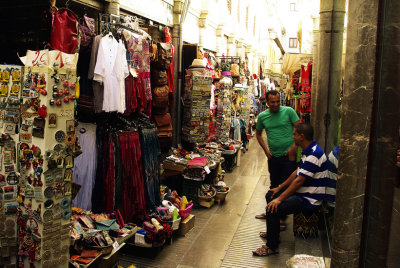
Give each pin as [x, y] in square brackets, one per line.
[303, 190]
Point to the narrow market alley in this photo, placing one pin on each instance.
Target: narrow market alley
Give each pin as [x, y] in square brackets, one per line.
[225, 234]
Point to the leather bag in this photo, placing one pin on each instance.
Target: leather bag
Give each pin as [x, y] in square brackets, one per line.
[164, 56]
[159, 77]
[165, 131]
[64, 34]
[162, 120]
[159, 110]
[160, 96]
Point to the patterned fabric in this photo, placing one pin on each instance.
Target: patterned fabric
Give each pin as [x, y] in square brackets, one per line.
[139, 59]
[313, 166]
[332, 176]
[305, 226]
[150, 148]
[85, 166]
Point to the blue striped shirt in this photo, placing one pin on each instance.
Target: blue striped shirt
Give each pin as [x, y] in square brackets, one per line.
[332, 176]
[313, 166]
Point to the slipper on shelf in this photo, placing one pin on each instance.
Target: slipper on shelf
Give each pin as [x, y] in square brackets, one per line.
[261, 216]
[265, 251]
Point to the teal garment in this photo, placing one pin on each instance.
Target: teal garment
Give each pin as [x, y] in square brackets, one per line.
[279, 128]
[107, 225]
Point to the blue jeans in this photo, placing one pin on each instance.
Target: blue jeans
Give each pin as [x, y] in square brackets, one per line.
[279, 169]
[292, 205]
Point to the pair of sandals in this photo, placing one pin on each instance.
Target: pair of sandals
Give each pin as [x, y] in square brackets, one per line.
[264, 250]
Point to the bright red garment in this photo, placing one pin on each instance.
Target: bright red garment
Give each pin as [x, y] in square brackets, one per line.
[133, 195]
[305, 98]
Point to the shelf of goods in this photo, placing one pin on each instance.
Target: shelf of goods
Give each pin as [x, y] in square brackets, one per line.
[196, 108]
[223, 117]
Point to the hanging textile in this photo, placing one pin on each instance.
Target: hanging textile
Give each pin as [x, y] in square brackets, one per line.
[133, 193]
[102, 162]
[112, 69]
[305, 100]
[150, 148]
[98, 88]
[85, 165]
[110, 177]
[139, 59]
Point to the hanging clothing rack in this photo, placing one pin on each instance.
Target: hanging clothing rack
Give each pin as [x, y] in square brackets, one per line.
[121, 22]
[230, 59]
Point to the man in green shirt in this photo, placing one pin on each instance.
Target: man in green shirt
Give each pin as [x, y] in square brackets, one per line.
[280, 149]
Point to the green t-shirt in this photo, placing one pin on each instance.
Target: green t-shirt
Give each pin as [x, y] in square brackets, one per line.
[279, 128]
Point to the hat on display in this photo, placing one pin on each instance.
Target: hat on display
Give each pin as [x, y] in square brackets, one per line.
[226, 73]
[197, 64]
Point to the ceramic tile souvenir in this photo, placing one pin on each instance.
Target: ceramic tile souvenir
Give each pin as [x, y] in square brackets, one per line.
[70, 126]
[38, 194]
[38, 132]
[60, 136]
[48, 216]
[11, 208]
[52, 120]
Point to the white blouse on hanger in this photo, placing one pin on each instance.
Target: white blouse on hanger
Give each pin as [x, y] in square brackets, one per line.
[112, 69]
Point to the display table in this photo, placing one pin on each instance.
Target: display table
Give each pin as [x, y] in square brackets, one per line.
[111, 259]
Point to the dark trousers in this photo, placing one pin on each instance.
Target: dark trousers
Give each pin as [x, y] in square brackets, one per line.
[279, 169]
[292, 205]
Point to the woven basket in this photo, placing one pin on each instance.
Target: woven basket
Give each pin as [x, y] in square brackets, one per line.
[220, 196]
[175, 223]
[185, 212]
[206, 198]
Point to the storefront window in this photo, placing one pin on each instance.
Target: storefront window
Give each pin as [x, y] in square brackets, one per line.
[292, 42]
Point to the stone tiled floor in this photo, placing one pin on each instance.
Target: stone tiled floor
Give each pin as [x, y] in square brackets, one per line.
[225, 234]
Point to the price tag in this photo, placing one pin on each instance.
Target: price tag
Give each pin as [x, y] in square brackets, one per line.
[115, 245]
[207, 169]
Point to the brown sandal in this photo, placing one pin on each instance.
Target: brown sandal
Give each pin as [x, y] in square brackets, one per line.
[265, 251]
[263, 235]
[261, 216]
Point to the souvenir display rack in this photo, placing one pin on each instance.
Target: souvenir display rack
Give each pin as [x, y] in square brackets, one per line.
[38, 146]
[223, 117]
[196, 108]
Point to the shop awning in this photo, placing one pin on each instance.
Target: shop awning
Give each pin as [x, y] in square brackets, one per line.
[293, 61]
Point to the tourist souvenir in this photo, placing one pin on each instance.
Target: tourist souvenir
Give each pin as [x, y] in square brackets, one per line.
[52, 120]
[68, 174]
[29, 192]
[48, 204]
[39, 194]
[49, 192]
[70, 126]
[65, 203]
[67, 188]
[60, 136]
[66, 214]
[12, 178]
[38, 132]
[48, 215]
